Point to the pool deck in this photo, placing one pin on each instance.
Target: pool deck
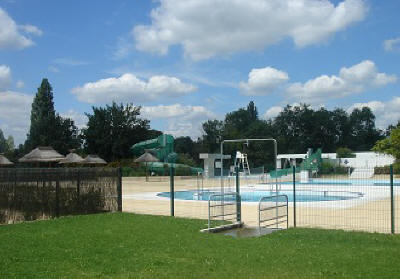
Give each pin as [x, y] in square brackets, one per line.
[369, 213]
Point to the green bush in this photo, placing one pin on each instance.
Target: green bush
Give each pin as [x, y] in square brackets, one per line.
[329, 168]
[344, 152]
[386, 169]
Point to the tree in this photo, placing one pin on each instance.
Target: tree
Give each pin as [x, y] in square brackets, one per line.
[3, 143]
[213, 130]
[112, 130]
[48, 128]
[390, 145]
[344, 152]
[6, 145]
[363, 133]
[10, 143]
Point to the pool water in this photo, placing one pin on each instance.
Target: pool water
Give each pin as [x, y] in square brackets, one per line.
[256, 195]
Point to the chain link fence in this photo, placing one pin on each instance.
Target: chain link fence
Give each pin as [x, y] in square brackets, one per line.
[362, 199]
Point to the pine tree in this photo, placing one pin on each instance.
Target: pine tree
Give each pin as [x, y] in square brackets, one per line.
[47, 127]
[43, 117]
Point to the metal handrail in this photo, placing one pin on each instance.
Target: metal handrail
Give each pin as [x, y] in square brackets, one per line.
[277, 217]
[236, 197]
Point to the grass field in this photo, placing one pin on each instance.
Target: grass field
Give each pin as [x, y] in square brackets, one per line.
[124, 245]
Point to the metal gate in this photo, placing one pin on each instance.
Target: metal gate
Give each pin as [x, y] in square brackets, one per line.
[273, 212]
[224, 209]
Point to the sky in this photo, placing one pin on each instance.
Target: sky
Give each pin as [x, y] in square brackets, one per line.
[189, 61]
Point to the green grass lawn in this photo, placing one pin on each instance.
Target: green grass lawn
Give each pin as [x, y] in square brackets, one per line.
[126, 245]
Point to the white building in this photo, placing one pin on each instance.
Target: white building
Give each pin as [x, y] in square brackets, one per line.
[367, 159]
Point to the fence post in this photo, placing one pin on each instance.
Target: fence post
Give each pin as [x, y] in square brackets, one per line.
[238, 199]
[391, 200]
[119, 188]
[78, 184]
[294, 196]
[57, 197]
[172, 193]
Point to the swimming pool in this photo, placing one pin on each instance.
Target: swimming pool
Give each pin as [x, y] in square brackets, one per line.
[256, 195]
[361, 182]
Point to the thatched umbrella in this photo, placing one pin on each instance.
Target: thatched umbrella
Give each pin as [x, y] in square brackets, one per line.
[146, 158]
[72, 158]
[93, 160]
[42, 154]
[4, 162]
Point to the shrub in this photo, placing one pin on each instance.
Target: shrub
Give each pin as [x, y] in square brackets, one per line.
[329, 168]
[344, 152]
[386, 169]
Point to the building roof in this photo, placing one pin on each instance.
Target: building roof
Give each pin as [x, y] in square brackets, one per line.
[42, 154]
[146, 157]
[94, 159]
[4, 161]
[72, 158]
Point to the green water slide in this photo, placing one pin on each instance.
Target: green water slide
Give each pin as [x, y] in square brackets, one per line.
[161, 147]
[312, 163]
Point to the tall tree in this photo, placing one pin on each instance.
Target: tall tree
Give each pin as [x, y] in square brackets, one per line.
[213, 130]
[112, 130]
[3, 143]
[364, 134]
[10, 143]
[48, 128]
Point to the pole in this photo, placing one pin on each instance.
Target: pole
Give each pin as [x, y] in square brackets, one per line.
[57, 198]
[222, 168]
[119, 188]
[172, 193]
[391, 200]
[294, 196]
[238, 199]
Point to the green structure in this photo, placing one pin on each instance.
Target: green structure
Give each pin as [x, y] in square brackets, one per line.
[160, 147]
[311, 163]
[163, 148]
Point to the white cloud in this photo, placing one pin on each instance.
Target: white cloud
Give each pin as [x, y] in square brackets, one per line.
[386, 112]
[263, 81]
[80, 120]
[351, 80]
[222, 27]
[31, 29]
[273, 112]
[15, 110]
[54, 69]
[132, 89]
[10, 36]
[392, 44]
[20, 84]
[69, 62]
[180, 120]
[5, 77]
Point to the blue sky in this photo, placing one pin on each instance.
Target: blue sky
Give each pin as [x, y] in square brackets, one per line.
[189, 61]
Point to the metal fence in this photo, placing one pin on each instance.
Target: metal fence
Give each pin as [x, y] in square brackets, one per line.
[362, 199]
[273, 212]
[359, 200]
[223, 208]
[36, 193]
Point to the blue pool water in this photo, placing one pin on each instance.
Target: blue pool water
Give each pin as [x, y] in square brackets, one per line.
[361, 182]
[255, 196]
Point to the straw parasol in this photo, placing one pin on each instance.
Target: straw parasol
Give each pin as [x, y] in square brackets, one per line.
[72, 158]
[4, 162]
[146, 158]
[93, 160]
[42, 154]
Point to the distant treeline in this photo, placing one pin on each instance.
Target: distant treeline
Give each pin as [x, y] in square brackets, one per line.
[113, 129]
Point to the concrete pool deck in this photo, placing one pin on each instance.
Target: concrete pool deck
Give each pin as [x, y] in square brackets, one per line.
[369, 213]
